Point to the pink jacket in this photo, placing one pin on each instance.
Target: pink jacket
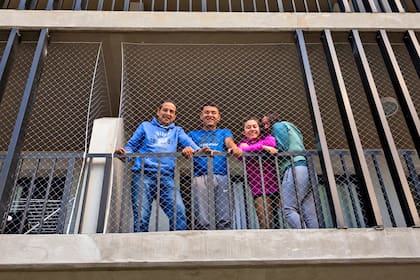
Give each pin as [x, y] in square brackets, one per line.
[253, 167]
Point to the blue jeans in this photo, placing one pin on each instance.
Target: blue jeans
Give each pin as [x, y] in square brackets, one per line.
[169, 199]
[302, 191]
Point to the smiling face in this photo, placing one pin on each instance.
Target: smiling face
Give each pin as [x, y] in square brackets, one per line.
[166, 114]
[252, 129]
[266, 123]
[210, 116]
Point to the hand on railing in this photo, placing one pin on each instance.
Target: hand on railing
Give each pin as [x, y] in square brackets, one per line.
[270, 149]
[121, 151]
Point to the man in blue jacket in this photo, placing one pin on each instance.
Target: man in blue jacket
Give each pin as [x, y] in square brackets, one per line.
[160, 135]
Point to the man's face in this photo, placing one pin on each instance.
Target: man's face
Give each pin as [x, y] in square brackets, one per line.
[210, 117]
[266, 123]
[166, 113]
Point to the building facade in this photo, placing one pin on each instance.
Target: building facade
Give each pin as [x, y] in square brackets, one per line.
[78, 77]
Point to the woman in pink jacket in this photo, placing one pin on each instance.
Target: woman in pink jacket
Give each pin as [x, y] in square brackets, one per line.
[267, 186]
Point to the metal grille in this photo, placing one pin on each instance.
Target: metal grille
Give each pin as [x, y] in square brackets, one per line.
[72, 92]
[380, 174]
[244, 81]
[186, 5]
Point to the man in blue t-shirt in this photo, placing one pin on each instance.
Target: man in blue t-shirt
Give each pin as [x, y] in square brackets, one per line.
[214, 182]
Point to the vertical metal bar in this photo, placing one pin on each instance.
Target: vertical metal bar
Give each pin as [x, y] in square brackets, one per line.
[412, 170]
[294, 6]
[319, 131]
[22, 5]
[305, 4]
[29, 197]
[47, 194]
[211, 195]
[4, 221]
[298, 199]
[400, 87]
[175, 197]
[33, 4]
[217, 6]
[350, 189]
[242, 6]
[254, 5]
[100, 5]
[8, 170]
[231, 196]
[177, 5]
[141, 189]
[351, 131]
[165, 5]
[396, 6]
[153, 6]
[204, 5]
[370, 6]
[318, 7]
[315, 190]
[280, 191]
[66, 194]
[373, 154]
[344, 6]
[77, 5]
[230, 5]
[50, 5]
[192, 195]
[159, 172]
[126, 5]
[190, 5]
[104, 194]
[247, 192]
[385, 135]
[264, 194]
[267, 8]
[280, 6]
[7, 59]
[413, 48]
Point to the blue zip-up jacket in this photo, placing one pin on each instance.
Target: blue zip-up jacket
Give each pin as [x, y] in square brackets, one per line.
[152, 137]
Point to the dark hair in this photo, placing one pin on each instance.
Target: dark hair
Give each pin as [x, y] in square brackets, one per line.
[166, 101]
[209, 105]
[251, 119]
[273, 117]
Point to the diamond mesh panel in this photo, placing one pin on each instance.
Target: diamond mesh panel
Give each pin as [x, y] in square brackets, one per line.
[72, 92]
[64, 95]
[244, 81]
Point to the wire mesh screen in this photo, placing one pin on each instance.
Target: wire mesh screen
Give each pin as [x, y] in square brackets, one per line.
[72, 92]
[242, 81]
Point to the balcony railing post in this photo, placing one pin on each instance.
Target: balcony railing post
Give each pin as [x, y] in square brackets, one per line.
[319, 132]
[7, 60]
[413, 48]
[351, 131]
[8, 171]
[385, 135]
[104, 195]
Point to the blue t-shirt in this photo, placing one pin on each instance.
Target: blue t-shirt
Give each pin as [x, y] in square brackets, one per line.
[214, 140]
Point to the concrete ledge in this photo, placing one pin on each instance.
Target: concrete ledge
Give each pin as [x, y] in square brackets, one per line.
[211, 248]
[195, 21]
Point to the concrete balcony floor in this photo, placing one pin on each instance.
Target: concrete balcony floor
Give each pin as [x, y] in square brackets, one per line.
[269, 254]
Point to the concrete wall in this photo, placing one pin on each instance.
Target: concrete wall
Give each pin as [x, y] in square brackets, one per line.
[268, 254]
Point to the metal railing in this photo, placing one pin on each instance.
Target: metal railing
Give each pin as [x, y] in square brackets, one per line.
[217, 5]
[49, 193]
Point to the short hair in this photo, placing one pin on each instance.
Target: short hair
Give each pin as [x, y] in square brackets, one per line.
[166, 101]
[209, 105]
